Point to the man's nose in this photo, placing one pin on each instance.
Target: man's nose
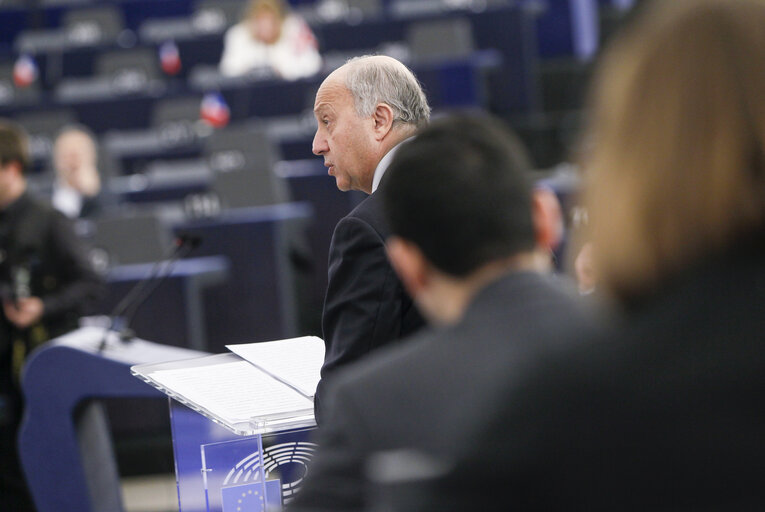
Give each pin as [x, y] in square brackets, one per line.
[319, 146]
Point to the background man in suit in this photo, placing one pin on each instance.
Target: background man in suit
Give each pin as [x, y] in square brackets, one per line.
[471, 244]
[364, 109]
[77, 190]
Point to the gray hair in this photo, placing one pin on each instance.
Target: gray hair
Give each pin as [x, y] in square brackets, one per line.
[373, 80]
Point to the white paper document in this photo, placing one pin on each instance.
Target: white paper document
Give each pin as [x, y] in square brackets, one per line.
[295, 361]
[233, 391]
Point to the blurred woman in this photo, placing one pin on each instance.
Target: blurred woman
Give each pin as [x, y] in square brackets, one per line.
[676, 201]
[270, 36]
[677, 175]
[664, 410]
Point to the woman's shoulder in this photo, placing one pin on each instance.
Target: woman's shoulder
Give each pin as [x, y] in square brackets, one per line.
[237, 31]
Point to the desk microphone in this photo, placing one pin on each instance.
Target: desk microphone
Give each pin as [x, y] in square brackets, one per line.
[123, 313]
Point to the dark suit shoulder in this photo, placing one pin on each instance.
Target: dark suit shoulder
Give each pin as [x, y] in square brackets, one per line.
[388, 361]
[652, 399]
[520, 316]
[370, 210]
[28, 204]
[427, 393]
[34, 221]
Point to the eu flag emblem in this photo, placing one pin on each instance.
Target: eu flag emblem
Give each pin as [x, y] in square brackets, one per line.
[249, 497]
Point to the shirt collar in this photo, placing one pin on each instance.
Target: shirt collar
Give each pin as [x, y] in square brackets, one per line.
[383, 166]
[67, 200]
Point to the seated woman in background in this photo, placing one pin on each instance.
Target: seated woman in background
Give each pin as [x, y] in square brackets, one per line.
[270, 36]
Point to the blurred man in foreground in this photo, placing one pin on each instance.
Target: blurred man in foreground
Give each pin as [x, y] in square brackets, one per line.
[471, 243]
[664, 411]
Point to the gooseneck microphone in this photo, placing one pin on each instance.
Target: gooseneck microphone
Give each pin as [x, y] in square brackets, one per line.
[122, 315]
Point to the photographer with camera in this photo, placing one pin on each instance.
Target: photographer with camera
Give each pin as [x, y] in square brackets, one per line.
[46, 281]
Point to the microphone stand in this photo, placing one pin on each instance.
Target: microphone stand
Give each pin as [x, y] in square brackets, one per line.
[128, 306]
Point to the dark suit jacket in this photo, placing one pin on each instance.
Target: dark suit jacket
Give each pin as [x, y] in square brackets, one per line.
[38, 242]
[666, 412]
[39, 239]
[96, 206]
[426, 393]
[365, 306]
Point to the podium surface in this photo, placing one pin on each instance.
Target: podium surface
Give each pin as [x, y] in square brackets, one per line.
[241, 435]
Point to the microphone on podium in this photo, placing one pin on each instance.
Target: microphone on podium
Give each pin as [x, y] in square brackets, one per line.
[123, 313]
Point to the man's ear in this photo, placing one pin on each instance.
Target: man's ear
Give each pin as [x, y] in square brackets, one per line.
[548, 218]
[409, 263]
[383, 119]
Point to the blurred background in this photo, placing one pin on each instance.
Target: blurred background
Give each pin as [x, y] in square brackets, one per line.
[170, 142]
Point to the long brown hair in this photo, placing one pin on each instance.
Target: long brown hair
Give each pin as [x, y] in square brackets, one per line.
[676, 165]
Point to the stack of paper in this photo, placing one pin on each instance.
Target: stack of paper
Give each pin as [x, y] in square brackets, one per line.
[296, 362]
[267, 379]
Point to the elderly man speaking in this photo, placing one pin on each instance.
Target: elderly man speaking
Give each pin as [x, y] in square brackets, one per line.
[365, 109]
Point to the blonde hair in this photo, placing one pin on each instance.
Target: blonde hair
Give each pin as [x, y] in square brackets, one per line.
[277, 7]
[676, 168]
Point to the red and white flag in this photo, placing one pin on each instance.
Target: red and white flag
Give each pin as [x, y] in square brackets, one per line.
[24, 71]
[214, 110]
[170, 58]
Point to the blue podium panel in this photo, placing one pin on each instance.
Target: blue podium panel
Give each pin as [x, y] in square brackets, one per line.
[244, 486]
[257, 302]
[190, 432]
[173, 314]
[65, 453]
[218, 471]
[264, 471]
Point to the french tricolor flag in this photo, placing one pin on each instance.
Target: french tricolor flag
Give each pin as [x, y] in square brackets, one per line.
[169, 58]
[24, 71]
[214, 110]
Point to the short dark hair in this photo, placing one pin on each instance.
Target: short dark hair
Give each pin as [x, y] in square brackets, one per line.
[13, 145]
[460, 191]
